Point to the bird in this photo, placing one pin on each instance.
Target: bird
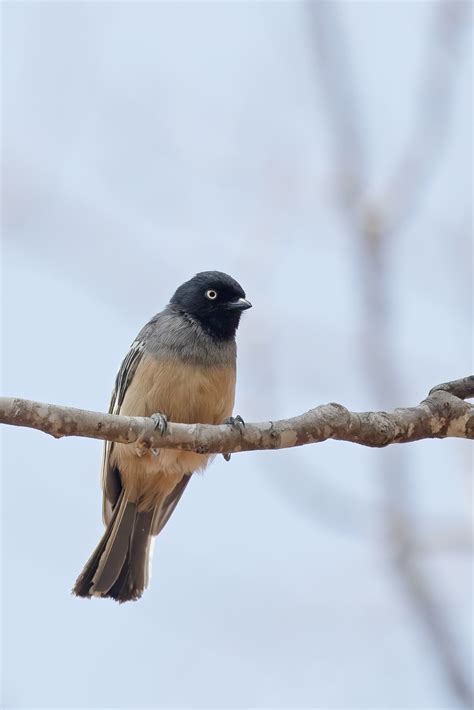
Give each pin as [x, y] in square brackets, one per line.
[181, 367]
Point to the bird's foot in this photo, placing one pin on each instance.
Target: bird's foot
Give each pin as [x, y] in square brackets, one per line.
[237, 423]
[160, 423]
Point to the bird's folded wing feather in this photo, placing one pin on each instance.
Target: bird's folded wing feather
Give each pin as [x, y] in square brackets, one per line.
[111, 484]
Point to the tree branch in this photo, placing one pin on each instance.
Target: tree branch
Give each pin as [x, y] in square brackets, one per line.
[372, 220]
[442, 414]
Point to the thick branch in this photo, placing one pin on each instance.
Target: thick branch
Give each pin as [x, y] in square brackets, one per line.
[443, 414]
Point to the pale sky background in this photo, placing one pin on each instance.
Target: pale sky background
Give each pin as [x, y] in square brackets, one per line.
[143, 142]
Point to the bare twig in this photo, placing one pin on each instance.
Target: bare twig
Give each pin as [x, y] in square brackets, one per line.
[424, 148]
[442, 414]
[334, 62]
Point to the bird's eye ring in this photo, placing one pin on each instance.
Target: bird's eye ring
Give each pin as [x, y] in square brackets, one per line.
[211, 294]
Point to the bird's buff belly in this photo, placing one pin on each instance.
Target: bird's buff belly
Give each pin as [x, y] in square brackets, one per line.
[150, 478]
[184, 393]
[163, 462]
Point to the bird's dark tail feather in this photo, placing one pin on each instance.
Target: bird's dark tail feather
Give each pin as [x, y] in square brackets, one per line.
[118, 567]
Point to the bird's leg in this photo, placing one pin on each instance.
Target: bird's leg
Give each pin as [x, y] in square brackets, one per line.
[237, 423]
[160, 423]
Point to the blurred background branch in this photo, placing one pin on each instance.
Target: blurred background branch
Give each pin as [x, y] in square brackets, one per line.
[371, 221]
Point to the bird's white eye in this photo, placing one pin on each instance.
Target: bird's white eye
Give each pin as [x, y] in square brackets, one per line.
[211, 294]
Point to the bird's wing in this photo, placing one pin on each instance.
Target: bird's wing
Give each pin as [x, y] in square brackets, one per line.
[111, 483]
[166, 506]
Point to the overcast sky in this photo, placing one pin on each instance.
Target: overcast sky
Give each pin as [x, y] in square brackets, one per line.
[143, 142]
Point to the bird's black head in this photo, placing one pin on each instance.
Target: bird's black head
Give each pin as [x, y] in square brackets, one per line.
[215, 300]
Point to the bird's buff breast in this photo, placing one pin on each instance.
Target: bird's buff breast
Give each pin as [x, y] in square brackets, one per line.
[184, 392]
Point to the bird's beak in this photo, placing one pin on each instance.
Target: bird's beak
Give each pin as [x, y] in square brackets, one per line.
[240, 305]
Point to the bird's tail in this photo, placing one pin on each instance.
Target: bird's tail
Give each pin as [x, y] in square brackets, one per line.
[118, 567]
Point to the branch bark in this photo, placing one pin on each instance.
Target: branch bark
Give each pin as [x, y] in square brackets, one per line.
[444, 413]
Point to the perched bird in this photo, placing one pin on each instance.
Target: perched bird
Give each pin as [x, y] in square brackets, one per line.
[181, 367]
